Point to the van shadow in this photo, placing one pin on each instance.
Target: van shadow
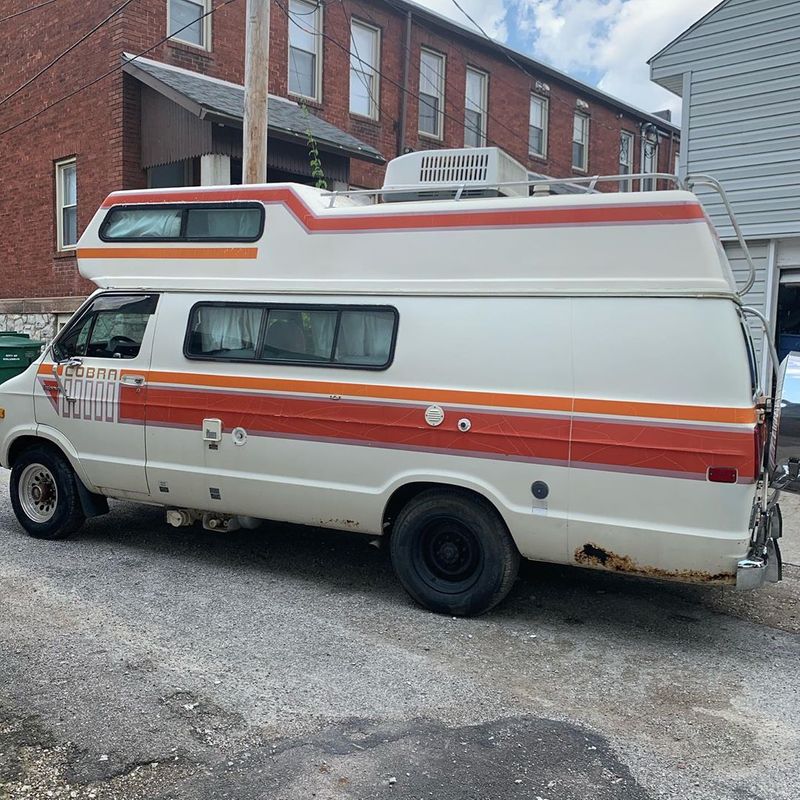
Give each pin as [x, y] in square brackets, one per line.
[346, 564]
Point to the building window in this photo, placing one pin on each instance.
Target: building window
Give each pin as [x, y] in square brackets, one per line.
[431, 93]
[188, 23]
[649, 160]
[365, 59]
[537, 126]
[580, 142]
[625, 159]
[61, 321]
[476, 104]
[305, 49]
[66, 204]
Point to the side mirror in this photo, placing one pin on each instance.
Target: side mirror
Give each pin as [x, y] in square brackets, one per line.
[784, 454]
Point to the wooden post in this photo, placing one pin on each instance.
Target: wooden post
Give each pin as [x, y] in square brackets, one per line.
[256, 92]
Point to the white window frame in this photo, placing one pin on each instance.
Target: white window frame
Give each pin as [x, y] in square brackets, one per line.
[545, 124]
[375, 104]
[649, 184]
[60, 166]
[439, 136]
[585, 166]
[205, 22]
[484, 109]
[626, 186]
[304, 22]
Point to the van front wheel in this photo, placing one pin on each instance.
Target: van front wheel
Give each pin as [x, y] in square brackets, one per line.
[453, 553]
[44, 494]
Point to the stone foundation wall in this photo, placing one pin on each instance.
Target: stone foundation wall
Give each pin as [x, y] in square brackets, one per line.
[38, 326]
[38, 317]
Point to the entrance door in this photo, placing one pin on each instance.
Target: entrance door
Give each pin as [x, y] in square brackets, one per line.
[787, 317]
[97, 400]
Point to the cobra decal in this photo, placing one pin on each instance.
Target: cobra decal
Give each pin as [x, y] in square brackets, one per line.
[95, 393]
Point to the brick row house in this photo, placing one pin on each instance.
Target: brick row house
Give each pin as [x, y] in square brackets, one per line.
[366, 79]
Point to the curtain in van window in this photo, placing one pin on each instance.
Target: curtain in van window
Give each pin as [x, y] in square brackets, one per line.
[147, 223]
[305, 334]
[223, 223]
[365, 337]
[226, 330]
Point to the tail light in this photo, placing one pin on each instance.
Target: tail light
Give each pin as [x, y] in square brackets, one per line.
[723, 474]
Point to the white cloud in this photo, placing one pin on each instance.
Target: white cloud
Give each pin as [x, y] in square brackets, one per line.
[604, 41]
[612, 39]
[489, 14]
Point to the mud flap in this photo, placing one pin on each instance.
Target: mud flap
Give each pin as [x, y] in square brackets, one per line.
[93, 505]
[774, 562]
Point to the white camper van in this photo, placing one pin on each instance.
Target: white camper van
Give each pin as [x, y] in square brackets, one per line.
[471, 372]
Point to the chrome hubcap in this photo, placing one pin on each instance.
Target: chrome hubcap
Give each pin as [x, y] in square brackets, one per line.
[38, 493]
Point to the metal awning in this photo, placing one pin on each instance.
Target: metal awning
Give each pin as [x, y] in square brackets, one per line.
[207, 102]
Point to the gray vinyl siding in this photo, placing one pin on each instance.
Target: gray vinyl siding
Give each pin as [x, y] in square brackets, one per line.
[743, 111]
[757, 296]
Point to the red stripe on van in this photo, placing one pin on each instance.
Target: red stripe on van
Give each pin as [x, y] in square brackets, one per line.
[653, 213]
[628, 446]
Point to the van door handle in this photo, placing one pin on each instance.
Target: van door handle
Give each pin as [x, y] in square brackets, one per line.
[133, 380]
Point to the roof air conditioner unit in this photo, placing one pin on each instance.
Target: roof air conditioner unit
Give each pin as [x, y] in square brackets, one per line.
[446, 174]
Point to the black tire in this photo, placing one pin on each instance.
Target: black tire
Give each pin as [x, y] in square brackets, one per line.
[453, 553]
[67, 514]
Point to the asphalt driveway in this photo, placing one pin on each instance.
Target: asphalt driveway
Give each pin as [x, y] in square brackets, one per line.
[137, 661]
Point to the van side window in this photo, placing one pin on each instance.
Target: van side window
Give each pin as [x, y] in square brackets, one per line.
[299, 335]
[207, 222]
[752, 361]
[229, 332]
[113, 326]
[365, 337]
[334, 336]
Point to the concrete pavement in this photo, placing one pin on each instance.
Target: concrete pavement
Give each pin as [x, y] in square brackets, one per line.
[142, 662]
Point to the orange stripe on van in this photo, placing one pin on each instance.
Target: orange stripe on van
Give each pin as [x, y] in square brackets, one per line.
[541, 403]
[665, 411]
[175, 252]
[566, 405]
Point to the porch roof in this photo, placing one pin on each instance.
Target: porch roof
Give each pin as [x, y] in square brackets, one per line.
[215, 100]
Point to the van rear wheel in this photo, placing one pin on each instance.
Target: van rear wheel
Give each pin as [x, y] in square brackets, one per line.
[44, 494]
[453, 553]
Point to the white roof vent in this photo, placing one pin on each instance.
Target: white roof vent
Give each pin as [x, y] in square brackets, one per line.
[446, 174]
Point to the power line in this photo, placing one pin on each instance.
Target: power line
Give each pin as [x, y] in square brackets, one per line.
[364, 81]
[66, 52]
[289, 15]
[448, 84]
[505, 51]
[26, 10]
[292, 15]
[495, 79]
[113, 69]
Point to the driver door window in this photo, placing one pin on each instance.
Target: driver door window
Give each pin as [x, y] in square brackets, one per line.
[112, 327]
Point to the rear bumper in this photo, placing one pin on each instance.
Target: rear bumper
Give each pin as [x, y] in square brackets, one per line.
[764, 563]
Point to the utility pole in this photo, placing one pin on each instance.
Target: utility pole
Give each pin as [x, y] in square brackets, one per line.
[256, 92]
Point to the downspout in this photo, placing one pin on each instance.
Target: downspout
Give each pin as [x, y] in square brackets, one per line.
[671, 162]
[401, 134]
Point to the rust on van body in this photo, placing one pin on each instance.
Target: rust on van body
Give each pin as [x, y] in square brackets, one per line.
[591, 555]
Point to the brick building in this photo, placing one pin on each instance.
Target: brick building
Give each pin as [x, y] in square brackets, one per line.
[370, 79]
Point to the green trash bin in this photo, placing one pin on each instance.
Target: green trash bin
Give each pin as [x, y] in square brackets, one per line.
[17, 352]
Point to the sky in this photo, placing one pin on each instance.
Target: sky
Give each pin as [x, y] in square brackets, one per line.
[605, 43]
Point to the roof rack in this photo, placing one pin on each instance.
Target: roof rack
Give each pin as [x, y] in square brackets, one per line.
[589, 181]
[688, 184]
